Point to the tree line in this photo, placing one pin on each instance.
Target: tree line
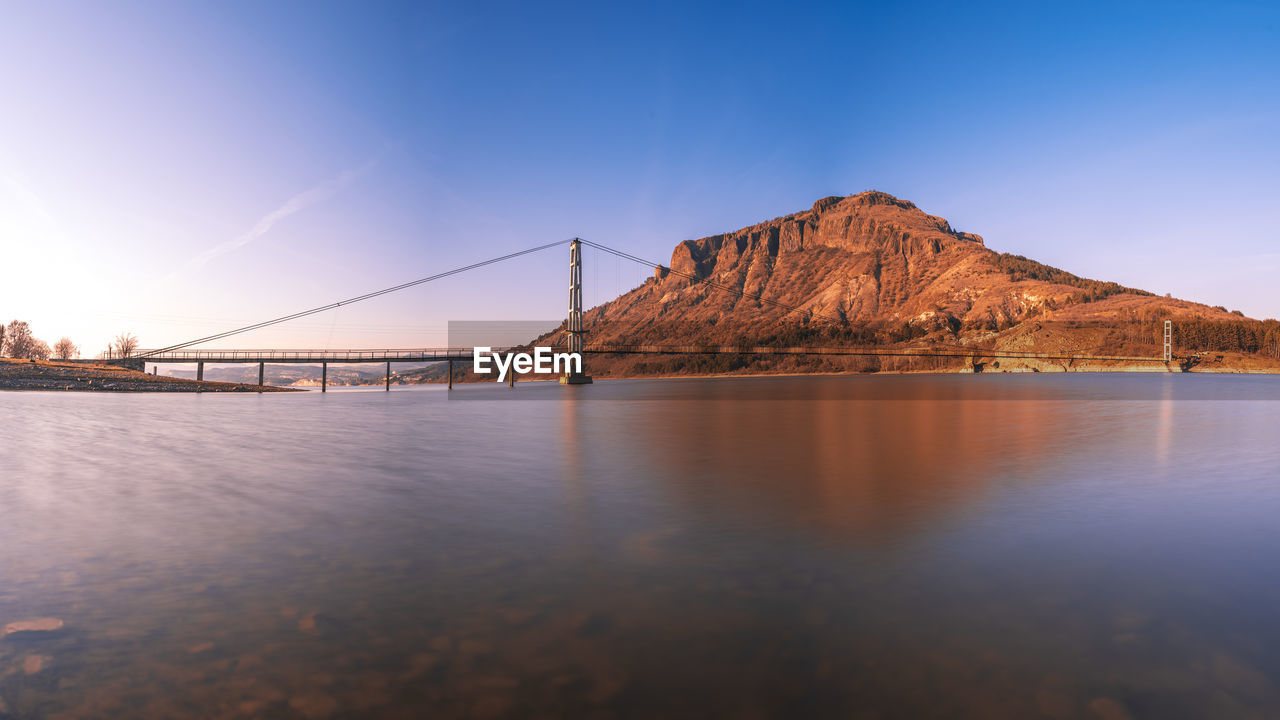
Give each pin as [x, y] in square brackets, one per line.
[1018, 268]
[1249, 336]
[17, 341]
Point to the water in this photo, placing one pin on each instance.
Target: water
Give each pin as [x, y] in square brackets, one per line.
[1064, 546]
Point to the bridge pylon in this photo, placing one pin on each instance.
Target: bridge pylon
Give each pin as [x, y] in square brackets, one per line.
[574, 332]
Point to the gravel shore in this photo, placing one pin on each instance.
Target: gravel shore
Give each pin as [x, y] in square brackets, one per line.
[53, 375]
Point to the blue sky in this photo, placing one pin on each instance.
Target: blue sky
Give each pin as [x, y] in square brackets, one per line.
[176, 168]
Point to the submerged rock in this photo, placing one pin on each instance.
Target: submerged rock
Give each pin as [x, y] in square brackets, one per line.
[1239, 678]
[314, 707]
[1104, 708]
[491, 707]
[419, 665]
[37, 625]
[308, 623]
[34, 664]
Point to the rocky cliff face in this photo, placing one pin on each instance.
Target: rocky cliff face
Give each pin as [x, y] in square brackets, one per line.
[868, 261]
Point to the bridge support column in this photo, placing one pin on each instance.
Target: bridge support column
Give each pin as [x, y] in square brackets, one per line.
[200, 371]
[573, 326]
[261, 373]
[324, 377]
[450, 374]
[388, 376]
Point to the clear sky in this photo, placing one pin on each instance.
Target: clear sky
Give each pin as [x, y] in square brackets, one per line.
[175, 168]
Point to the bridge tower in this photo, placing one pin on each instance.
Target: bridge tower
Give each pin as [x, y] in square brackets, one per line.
[1168, 340]
[573, 327]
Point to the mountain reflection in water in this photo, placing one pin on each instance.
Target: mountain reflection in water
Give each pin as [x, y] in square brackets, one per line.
[932, 546]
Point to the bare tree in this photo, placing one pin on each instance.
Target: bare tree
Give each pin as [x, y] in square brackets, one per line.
[18, 342]
[64, 349]
[2, 340]
[125, 345]
[39, 350]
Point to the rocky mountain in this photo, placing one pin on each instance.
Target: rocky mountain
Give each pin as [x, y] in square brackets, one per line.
[873, 269]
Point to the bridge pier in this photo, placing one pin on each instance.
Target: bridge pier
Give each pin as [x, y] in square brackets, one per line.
[388, 376]
[450, 374]
[324, 377]
[261, 372]
[200, 371]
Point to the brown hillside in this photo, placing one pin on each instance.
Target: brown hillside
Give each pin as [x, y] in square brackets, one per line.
[872, 260]
[873, 269]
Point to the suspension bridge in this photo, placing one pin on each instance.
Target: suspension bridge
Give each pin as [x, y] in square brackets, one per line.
[574, 329]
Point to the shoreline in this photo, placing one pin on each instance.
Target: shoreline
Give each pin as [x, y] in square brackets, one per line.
[721, 376]
[26, 375]
[53, 375]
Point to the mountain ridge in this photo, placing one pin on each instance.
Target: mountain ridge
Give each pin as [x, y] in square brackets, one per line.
[871, 257]
[871, 268]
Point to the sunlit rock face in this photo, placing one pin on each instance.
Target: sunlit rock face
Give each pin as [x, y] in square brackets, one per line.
[870, 261]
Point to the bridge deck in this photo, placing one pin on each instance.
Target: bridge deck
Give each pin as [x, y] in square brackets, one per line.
[308, 356]
[465, 354]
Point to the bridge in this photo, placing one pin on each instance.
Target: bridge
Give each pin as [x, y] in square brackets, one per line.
[575, 336]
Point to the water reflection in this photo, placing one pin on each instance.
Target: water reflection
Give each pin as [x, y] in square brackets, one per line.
[1164, 432]
[857, 549]
[865, 470]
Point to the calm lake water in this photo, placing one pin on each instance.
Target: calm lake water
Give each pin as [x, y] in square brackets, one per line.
[881, 547]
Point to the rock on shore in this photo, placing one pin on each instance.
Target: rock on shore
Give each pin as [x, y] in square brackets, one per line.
[37, 625]
[31, 375]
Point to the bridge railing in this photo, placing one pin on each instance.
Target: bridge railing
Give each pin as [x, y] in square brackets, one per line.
[296, 355]
[461, 353]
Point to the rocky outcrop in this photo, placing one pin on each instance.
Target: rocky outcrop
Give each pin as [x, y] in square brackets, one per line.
[869, 260]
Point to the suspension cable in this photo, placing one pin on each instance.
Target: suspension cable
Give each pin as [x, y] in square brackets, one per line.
[349, 301]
